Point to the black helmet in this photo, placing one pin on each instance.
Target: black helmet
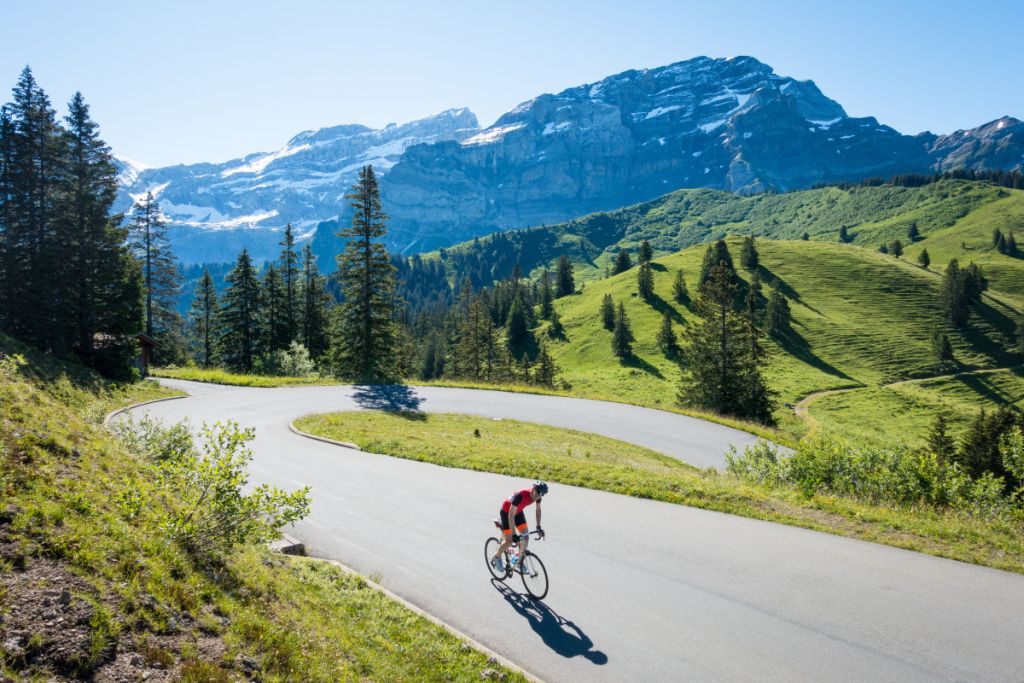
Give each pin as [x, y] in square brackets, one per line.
[540, 487]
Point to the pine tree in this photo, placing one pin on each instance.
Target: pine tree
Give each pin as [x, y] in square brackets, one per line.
[940, 443]
[274, 299]
[667, 341]
[546, 369]
[564, 284]
[290, 277]
[883, 249]
[679, 291]
[204, 320]
[364, 346]
[778, 314]
[314, 306]
[152, 248]
[622, 335]
[913, 234]
[240, 316]
[608, 312]
[1011, 245]
[924, 259]
[805, 237]
[942, 349]
[844, 235]
[997, 238]
[556, 330]
[546, 296]
[432, 365]
[517, 332]
[645, 280]
[717, 253]
[646, 253]
[721, 374]
[622, 262]
[749, 257]
[896, 248]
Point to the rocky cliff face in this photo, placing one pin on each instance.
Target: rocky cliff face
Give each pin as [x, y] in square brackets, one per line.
[729, 124]
[216, 209]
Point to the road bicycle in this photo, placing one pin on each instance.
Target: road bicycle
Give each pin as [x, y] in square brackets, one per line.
[529, 566]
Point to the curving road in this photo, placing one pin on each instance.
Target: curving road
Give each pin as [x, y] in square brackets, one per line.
[641, 590]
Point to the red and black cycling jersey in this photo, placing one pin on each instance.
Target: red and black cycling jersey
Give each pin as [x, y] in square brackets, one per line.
[520, 499]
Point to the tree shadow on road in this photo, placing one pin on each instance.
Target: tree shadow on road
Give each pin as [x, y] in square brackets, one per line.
[558, 633]
[396, 398]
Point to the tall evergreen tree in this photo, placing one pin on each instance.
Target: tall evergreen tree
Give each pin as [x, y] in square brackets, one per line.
[997, 238]
[517, 332]
[204, 321]
[152, 248]
[546, 369]
[608, 312]
[622, 335]
[622, 262]
[364, 345]
[275, 304]
[942, 349]
[432, 365]
[291, 280]
[646, 253]
[472, 342]
[679, 291]
[1011, 245]
[913, 234]
[717, 253]
[240, 319]
[565, 283]
[546, 296]
[667, 340]
[314, 306]
[777, 313]
[749, 257]
[645, 280]
[721, 374]
[556, 330]
[896, 248]
[940, 443]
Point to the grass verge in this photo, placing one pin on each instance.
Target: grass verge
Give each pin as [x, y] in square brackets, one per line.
[590, 461]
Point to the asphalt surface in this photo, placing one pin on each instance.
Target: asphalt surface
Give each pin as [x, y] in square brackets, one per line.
[640, 590]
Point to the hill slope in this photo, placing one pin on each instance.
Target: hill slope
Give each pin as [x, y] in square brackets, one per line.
[859, 319]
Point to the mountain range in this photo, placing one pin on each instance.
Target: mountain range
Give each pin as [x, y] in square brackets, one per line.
[729, 124]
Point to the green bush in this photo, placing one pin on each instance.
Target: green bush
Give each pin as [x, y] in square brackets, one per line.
[293, 362]
[896, 476]
[197, 492]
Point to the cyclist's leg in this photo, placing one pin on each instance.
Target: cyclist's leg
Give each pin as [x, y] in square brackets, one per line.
[506, 534]
[523, 529]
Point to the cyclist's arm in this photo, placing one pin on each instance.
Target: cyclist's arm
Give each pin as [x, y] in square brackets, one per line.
[538, 514]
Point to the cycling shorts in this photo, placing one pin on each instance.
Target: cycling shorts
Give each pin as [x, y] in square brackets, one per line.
[520, 520]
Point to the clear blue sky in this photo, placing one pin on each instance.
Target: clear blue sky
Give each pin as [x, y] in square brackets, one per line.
[184, 81]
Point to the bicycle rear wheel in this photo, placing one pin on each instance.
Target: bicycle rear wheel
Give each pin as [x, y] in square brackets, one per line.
[535, 576]
[491, 547]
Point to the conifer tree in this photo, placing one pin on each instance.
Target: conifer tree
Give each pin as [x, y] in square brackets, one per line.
[717, 253]
[942, 349]
[721, 374]
[314, 306]
[844, 235]
[646, 253]
[777, 313]
[204, 321]
[240, 316]
[997, 237]
[622, 262]
[1001, 246]
[432, 365]
[940, 443]
[913, 234]
[290, 277]
[275, 303]
[622, 335]
[645, 280]
[565, 283]
[883, 249]
[1011, 245]
[667, 340]
[608, 312]
[749, 257]
[805, 237]
[517, 332]
[546, 296]
[546, 369]
[364, 346]
[556, 330]
[924, 259]
[152, 248]
[896, 248]
[471, 347]
[679, 291]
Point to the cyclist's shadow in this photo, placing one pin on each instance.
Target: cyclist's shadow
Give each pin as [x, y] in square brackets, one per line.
[558, 633]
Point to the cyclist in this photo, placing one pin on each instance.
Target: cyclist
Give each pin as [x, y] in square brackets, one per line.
[512, 513]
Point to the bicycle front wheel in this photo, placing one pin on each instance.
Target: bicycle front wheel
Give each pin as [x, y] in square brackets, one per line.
[491, 547]
[535, 576]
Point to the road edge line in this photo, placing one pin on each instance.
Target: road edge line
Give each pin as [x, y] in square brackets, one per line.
[114, 413]
[504, 661]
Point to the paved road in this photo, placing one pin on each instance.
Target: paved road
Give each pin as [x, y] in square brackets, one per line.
[641, 590]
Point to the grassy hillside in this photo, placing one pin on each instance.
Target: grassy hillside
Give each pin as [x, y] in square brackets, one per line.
[91, 588]
[872, 216]
[860, 318]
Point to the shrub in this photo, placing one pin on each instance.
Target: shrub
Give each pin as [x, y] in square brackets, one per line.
[293, 362]
[198, 492]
